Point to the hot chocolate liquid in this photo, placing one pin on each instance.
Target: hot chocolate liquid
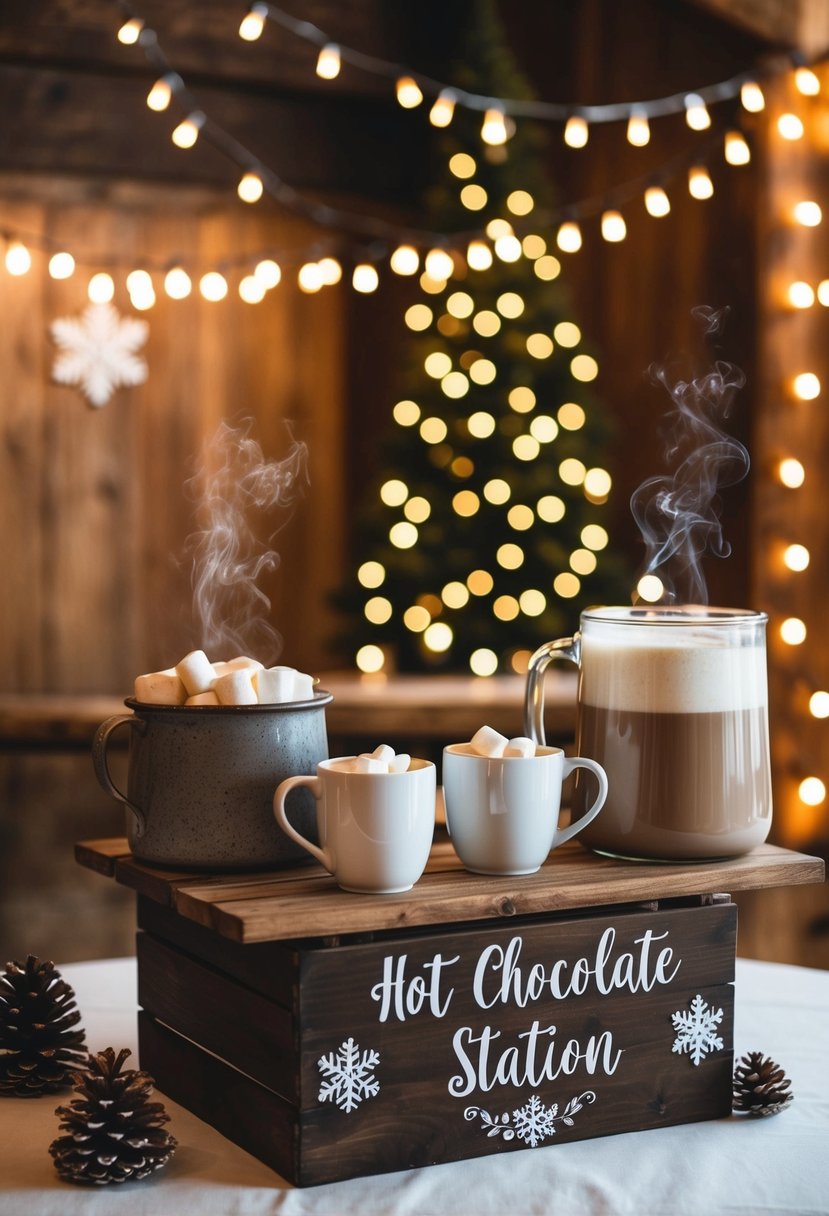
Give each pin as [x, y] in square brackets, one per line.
[681, 726]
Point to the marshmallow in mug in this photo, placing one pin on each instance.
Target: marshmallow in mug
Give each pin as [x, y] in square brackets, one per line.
[240, 681]
[489, 742]
[382, 760]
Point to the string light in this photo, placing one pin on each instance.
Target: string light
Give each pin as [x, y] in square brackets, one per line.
[483, 662]
[310, 278]
[811, 791]
[752, 98]
[101, 288]
[187, 132]
[438, 636]
[130, 31]
[584, 368]
[791, 473]
[253, 23]
[405, 260]
[161, 93]
[800, 295]
[18, 259]
[696, 113]
[638, 131]
[409, 94]
[657, 202]
[571, 416]
[737, 151]
[462, 165]
[213, 286]
[520, 202]
[576, 131]
[650, 588]
[790, 127]
[806, 386]
[494, 127]
[250, 188]
[370, 659]
[700, 185]
[443, 109]
[796, 557]
[568, 237]
[251, 289]
[806, 82]
[793, 631]
[439, 265]
[614, 228]
[478, 255]
[329, 62]
[61, 265]
[508, 248]
[365, 278]
[141, 290]
[177, 283]
[819, 704]
[269, 273]
[808, 213]
[473, 197]
[550, 508]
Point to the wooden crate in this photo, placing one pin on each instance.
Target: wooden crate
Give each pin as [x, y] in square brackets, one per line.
[335, 1035]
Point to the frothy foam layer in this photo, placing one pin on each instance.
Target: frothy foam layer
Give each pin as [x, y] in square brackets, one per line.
[666, 674]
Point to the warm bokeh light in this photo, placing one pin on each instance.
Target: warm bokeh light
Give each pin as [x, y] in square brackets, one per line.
[466, 503]
[737, 151]
[187, 132]
[566, 585]
[408, 92]
[547, 267]
[378, 610]
[310, 277]
[482, 371]
[544, 428]
[483, 662]
[371, 574]
[791, 473]
[419, 317]
[462, 165]
[572, 471]
[584, 368]
[571, 416]
[638, 130]
[160, 95]
[443, 109]
[403, 535]
[417, 509]
[540, 346]
[808, 213]
[394, 492]
[250, 188]
[521, 399]
[329, 62]
[790, 127]
[405, 260]
[177, 283]
[550, 508]
[806, 82]
[213, 286]
[534, 246]
[486, 323]
[478, 255]
[251, 289]
[796, 558]
[811, 791]
[614, 228]
[583, 561]
[417, 618]
[455, 385]
[433, 430]
[494, 127]
[480, 582]
[130, 31]
[567, 333]
[520, 202]
[510, 304]
[594, 536]
[253, 23]
[696, 113]
[438, 637]
[460, 304]
[406, 413]
[61, 265]
[525, 447]
[793, 631]
[597, 483]
[800, 294]
[650, 588]
[455, 595]
[365, 278]
[819, 704]
[101, 288]
[18, 259]
[506, 607]
[520, 517]
[438, 264]
[437, 364]
[497, 491]
[657, 202]
[532, 602]
[370, 659]
[509, 556]
[508, 248]
[751, 96]
[568, 237]
[269, 273]
[576, 131]
[474, 197]
[806, 386]
[700, 185]
[480, 424]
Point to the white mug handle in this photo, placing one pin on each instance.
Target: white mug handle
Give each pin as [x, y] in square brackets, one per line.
[592, 811]
[315, 785]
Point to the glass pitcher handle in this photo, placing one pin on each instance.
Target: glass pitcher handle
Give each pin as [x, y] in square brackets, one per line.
[564, 648]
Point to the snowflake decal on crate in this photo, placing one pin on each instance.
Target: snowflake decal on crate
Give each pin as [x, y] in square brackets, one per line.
[696, 1030]
[533, 1122]
[349, 1072]
[97, 352]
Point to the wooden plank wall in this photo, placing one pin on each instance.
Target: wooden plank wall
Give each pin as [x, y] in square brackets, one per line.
[94, 518]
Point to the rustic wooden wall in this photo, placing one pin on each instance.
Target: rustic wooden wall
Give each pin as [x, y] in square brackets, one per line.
[94, 514]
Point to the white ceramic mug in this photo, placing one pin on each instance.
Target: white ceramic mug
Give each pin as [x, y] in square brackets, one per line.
[502, 811]
[375, 829]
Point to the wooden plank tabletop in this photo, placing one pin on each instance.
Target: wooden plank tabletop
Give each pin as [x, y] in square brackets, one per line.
[447, 708]
[306, 901]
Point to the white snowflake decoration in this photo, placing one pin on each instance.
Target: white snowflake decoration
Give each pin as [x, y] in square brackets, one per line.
[97, 352]
[533, 1122]
[696, 1031]
[350, 1076]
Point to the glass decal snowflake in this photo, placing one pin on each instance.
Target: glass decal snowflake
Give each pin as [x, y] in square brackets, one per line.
[696, 1030]
[97, 352]
[533, 1122]
[349, 1073]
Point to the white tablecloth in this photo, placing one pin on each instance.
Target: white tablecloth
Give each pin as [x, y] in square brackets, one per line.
[742, 1167]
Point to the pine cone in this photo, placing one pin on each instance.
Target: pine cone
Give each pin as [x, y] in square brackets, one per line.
[760, 1086]
[38, 1050]
[114, 1133]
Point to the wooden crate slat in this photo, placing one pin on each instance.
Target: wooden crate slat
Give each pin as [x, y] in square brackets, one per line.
[101, 855]
[307, 903]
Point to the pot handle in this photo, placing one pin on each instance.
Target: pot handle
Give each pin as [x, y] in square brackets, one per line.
[565, 648]
[99, 759]
[323, 856]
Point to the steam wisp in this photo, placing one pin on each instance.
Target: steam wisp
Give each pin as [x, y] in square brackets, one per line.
[236, 489]
[678, 513]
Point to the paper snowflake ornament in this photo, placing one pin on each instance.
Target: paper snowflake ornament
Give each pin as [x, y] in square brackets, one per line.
[697, 1030]
[97, 352]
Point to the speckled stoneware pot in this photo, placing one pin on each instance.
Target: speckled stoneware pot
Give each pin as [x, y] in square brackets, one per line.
[201, 780]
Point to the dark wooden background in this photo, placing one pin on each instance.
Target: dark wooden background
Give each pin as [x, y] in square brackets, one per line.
[93, 517]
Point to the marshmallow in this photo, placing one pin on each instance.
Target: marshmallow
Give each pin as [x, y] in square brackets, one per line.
[520, 746]
[384, 753]
[241, 661]
[488, 742]
[203, 698]
[368, 764]
[160, 688]
[303, 686]
[400, 763]
[236, 688]
[196, 672]
[274, 685]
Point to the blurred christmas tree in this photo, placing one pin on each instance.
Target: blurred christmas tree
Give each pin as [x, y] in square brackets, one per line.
[485, 534]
